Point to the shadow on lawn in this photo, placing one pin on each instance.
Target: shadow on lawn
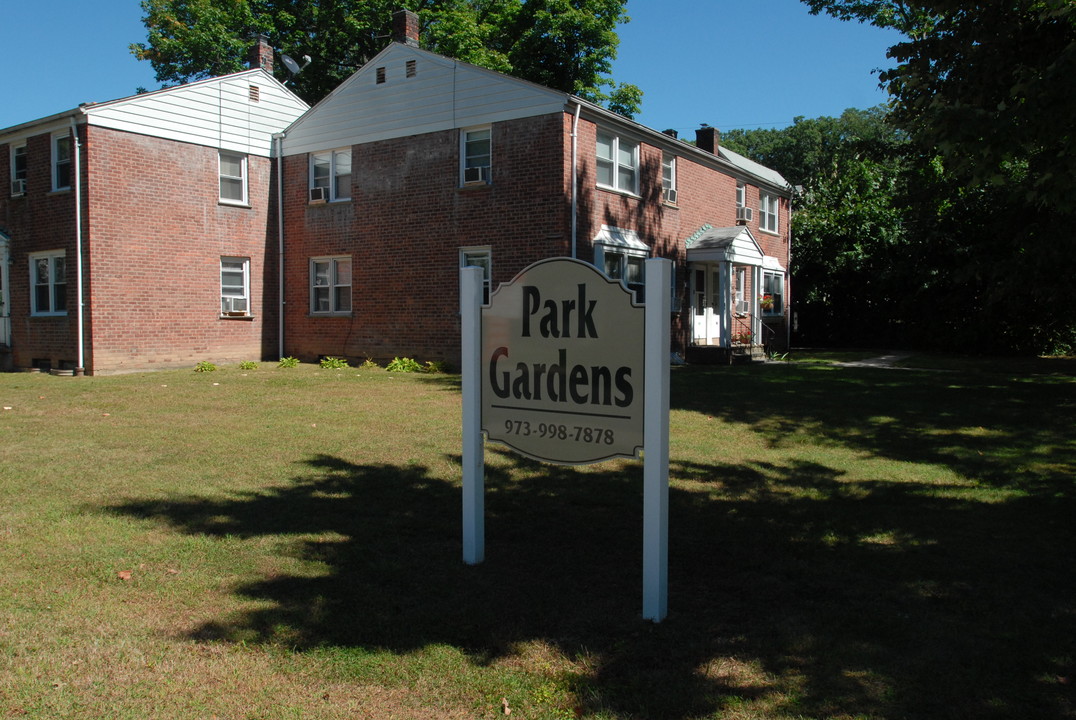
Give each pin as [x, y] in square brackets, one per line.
[811, 596]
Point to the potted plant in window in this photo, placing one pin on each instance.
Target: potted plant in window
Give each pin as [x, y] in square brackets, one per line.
[767, 302]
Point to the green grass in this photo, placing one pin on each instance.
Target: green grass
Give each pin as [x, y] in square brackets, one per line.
[285, 543]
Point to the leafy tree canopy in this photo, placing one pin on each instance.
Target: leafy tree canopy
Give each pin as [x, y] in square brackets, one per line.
[986, 85]
[568, 45]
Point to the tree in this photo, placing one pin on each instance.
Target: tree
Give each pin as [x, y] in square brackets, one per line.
[984, 85]
[568, 45]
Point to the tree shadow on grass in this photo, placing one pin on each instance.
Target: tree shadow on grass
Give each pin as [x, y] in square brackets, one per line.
[873, 601]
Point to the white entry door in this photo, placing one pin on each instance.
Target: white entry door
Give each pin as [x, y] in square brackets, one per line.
[705, 304]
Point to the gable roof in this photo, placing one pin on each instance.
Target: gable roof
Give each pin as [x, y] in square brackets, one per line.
[734, 244]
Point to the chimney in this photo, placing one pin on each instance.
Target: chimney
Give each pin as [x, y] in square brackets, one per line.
[671, 133]
[261, 54]
[405, 27]
[708, 138]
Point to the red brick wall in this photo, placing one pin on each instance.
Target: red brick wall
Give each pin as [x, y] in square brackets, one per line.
[40, 220]
[156, 234]
[403, 229]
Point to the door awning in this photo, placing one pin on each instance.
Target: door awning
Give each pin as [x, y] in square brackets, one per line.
[730, 244]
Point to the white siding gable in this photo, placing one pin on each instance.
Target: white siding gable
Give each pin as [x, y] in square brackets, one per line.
[442, 94]
[218, 112]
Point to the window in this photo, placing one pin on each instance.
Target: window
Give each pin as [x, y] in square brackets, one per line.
[627, 267]
[479, 257]
[477, 153]
[618, 163]
[739, 287]
[668, 178]
[768, 207]
[773, 287]
[61, 162]
[741, 195]
[18, 169]
[48, 283]
[331, 171]
[233, 178]
[330, 285]
[234, 286]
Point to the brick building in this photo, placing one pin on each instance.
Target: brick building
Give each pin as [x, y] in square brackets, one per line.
[415, 166]
[418, 164]
[164, 204]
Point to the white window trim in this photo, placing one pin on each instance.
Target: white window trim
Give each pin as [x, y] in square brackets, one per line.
[778, 308]
[244, 178]
[54, 162]
[487, 274]
[634, 191]
[246, 287]
[19, 188]
[670, 162]
[333, 259]
[51, 255]
[741, 194]
[769, 208]
[333, 155]
[487, 173]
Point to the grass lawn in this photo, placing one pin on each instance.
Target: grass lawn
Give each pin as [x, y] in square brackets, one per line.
[845, 542]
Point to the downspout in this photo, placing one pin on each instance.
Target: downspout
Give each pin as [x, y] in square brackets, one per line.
[80, 365]
[575, 177]
[278, 139]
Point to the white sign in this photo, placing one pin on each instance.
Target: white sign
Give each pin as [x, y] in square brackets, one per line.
[562, 365]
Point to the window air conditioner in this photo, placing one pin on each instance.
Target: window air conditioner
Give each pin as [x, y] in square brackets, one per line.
[744, 214]
[476, 175]
[319, 194]
[670, 195]
[18, 187]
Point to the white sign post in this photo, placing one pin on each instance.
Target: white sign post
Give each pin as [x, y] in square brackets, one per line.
[562, 366]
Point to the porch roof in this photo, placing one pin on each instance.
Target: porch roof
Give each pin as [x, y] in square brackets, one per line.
[729, 244]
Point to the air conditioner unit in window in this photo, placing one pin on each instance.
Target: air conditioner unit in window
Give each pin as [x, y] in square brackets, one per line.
[670, 195]
[476, 175]
[18, 187]
[319, 194]
[744, 214]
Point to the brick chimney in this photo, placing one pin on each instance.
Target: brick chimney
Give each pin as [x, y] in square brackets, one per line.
[708, 138]
[405, 27]
[261, 54]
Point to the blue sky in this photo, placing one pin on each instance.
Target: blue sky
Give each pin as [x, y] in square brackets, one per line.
[728, 63]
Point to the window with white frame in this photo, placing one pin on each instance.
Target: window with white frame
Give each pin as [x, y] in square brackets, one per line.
[768, 209]
[739, 291]
[741, 195]
[668, 178]
[479, 257]
[18, 169]
[61, 161]
[48, 283]
[330, 175]
[773, 293]
[233, 178]
[625, 265]
[330, 285]
[234, 286]
[476, 153]
[618, 163]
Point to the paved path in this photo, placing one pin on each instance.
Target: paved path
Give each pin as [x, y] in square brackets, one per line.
[888, 361]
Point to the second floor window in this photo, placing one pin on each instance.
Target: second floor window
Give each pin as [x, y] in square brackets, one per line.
[768, 208]
[233, 178]
[618, 163]
[668, 178]
[330, 175]
[477, 155]
[61, 162]
[18, 169]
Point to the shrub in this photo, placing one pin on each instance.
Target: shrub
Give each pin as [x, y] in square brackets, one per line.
[333, 363]
[403, 365]
[435, 366]
[248, 365]
[288, 362]
[369, 364]
[205, 366]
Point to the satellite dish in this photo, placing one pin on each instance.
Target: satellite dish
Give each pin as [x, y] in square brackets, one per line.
[291, 65]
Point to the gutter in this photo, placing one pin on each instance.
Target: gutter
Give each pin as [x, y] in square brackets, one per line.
[575, 177]
[278, 143]
[80, 365]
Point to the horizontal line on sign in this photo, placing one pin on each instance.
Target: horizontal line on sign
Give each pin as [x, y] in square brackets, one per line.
[561, 412]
